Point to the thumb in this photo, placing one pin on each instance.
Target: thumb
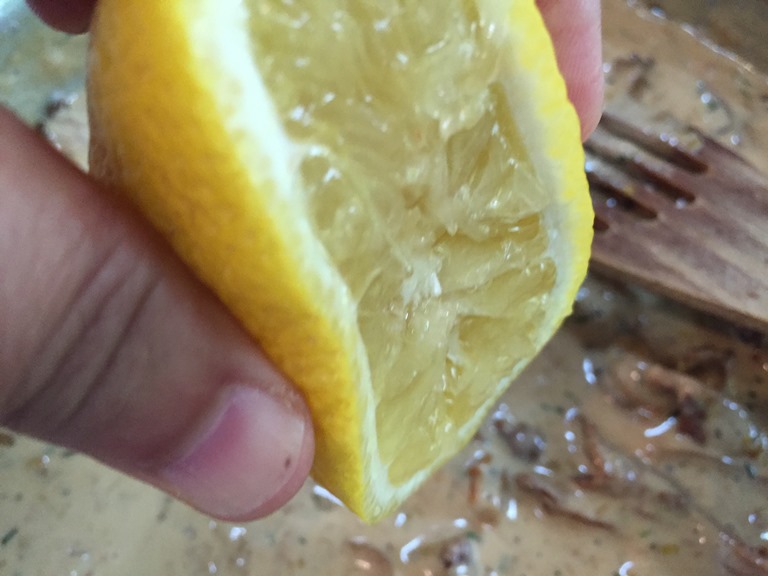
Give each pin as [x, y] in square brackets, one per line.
[110, 347]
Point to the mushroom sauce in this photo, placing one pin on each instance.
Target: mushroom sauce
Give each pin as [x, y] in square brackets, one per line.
[635, 444]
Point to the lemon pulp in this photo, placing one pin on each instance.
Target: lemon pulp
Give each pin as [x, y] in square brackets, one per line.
[418, 186]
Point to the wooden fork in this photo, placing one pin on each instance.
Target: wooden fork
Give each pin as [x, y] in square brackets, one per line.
[691, 225]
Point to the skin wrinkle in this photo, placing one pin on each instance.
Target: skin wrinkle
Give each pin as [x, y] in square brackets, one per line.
[41, 274]
[77, 355]
[114, 403]
[120, 336]
[187, 315]
[109, 401]
[63, 315]
[121, 381]
[54, 350]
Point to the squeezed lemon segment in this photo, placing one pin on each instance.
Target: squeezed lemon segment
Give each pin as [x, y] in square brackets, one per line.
[418, 187]
[389, 195]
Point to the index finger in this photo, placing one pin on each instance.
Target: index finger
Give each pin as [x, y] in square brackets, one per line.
[576, 33]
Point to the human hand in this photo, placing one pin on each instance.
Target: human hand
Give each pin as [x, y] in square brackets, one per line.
[109, 346]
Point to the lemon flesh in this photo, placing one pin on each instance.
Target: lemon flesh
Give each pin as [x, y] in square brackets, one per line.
[412, 175]
[387, 193]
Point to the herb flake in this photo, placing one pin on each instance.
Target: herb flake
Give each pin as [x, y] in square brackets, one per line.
[10, 535]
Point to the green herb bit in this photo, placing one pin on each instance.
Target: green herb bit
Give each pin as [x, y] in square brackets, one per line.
[669, 549]
[9, 536]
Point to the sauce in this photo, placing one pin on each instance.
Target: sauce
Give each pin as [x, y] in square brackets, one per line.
[635, 444]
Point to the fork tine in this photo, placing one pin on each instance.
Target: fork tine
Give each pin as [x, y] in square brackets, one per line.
[670, 179]
[641, 198]
[660, 145]
[611, 218]
[628, 157]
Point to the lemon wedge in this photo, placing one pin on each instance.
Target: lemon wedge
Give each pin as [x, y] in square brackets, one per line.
[388, 194]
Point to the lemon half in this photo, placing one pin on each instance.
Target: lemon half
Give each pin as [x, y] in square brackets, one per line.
[388, 194]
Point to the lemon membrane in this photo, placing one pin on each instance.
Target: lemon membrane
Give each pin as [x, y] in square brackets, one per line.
[419, 206]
